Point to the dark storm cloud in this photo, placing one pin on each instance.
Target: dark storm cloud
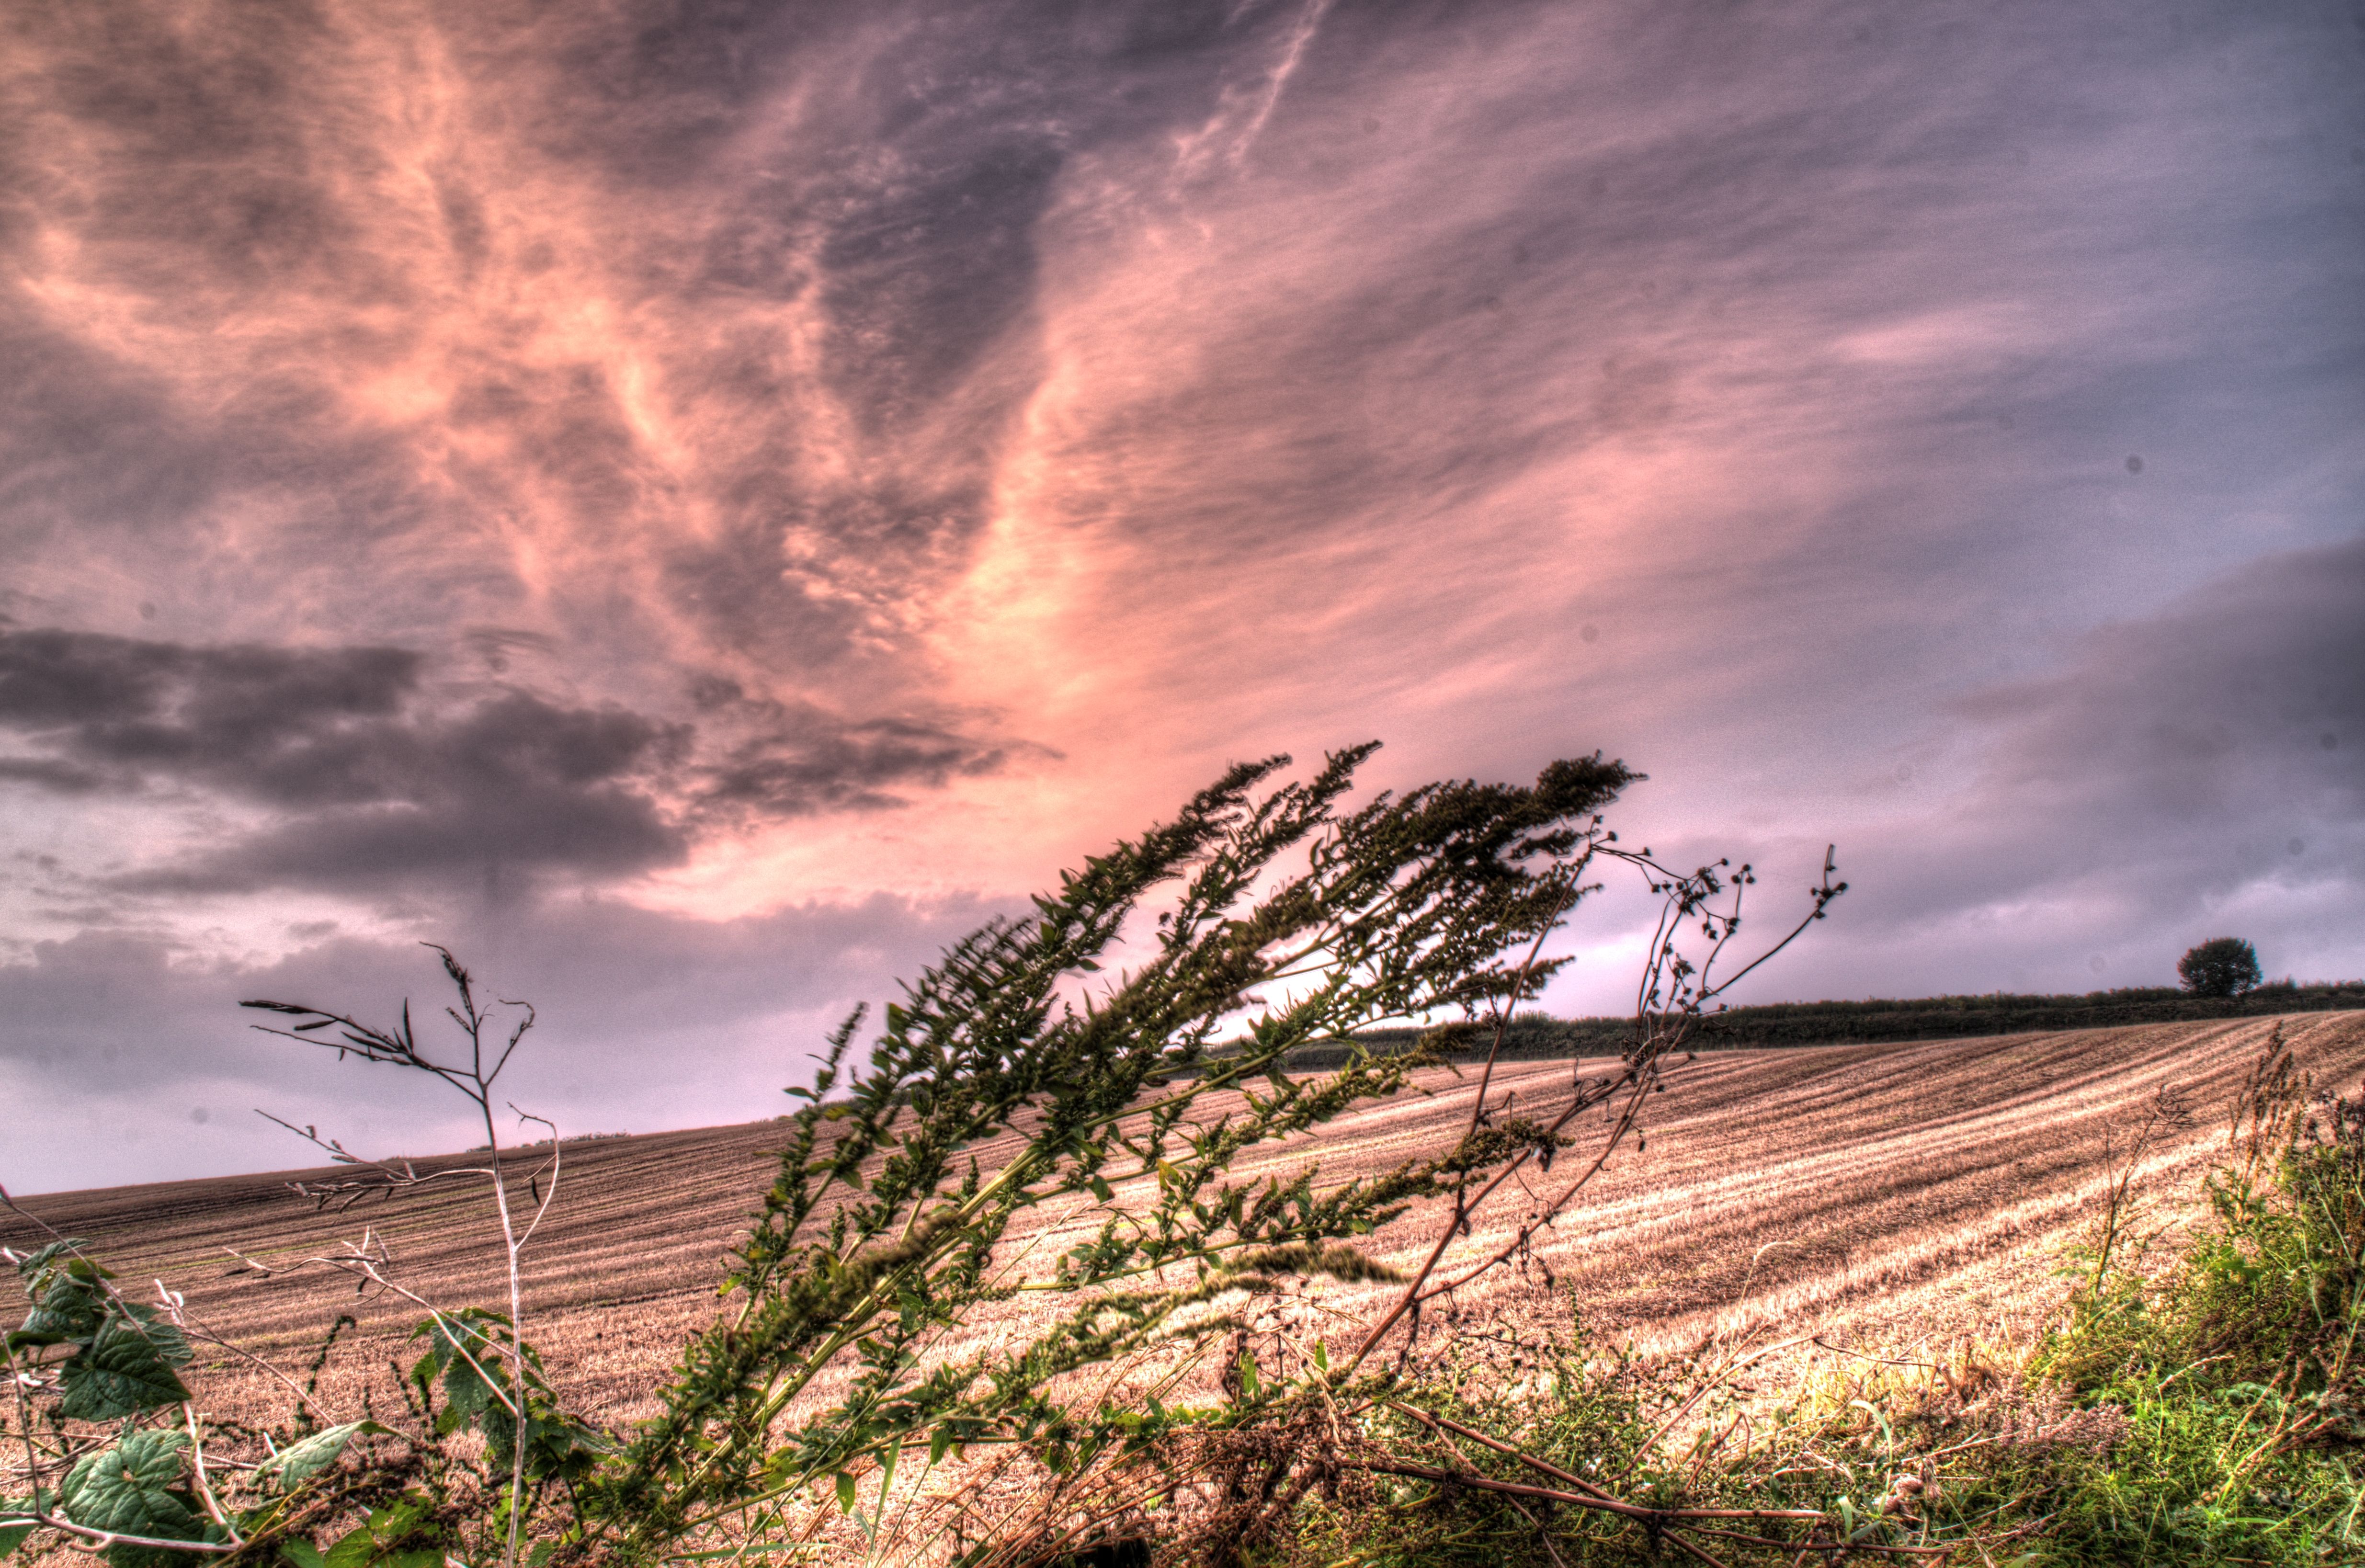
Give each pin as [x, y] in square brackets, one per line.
[793, 760]
[2203, 757]
[373, 783]
[817, 765]
[63, 777]
[292, 726]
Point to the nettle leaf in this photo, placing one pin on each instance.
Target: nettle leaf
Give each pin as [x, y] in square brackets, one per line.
[467, 1389]
[130, 1489]
[400, 1535]
[60, 1257]
[291, 1467]
[126, 1368]
[67, 1308]
[469, 1396]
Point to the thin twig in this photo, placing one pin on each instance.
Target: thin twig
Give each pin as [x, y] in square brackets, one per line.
[205, 1487]
[100, 1539]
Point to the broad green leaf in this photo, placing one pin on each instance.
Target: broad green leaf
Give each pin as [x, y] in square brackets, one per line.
[354, 1548]
[844, 1493]
[292, 1466]
[13, 1536]
[303, 1554]
[131, 1489]
[389, 1538]
[162, 1333]
[122, 1373]
[67, 1308]
[465, 1387]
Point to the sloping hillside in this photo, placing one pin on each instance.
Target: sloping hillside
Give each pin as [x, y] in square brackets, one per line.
[1891, 1192]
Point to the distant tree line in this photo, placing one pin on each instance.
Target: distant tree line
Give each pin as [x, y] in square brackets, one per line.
[1881, 1019]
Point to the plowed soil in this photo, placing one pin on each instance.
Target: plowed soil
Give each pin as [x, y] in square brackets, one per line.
[1893, 1193]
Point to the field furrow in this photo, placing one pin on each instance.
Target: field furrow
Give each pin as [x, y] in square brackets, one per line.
[1894, 1193]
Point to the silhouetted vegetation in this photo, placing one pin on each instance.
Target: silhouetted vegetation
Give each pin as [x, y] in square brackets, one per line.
[1282, 920]
[2225, 965]
[1881, 1020]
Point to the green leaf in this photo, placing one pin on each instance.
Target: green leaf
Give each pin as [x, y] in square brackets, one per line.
[127, 1369]
[162, 1333]
[292, 1466]
[66, 1307]
[1102, 1191]
[13, 1536]
[28, 1267]
[844, 1493]
[130, 1489]
[302, 1555]
[390, 1538]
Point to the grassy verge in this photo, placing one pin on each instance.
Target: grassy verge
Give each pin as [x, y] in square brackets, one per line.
[2203, 1403]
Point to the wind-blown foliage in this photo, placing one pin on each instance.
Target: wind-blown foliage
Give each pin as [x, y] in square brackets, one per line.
[1139, 1027]
[882, 1231]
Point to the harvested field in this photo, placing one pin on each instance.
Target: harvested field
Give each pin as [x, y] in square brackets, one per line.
[1892, 1194]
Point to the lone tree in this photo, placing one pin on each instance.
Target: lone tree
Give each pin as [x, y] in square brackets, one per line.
[2225, 965]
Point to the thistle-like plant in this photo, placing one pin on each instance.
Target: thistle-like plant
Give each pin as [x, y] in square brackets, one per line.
[884, 1230]
[1265, 920]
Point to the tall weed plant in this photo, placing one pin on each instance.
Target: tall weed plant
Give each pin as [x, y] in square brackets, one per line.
[1266, 918]
[1150, 1023]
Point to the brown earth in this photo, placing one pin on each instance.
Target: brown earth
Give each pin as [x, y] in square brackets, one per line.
[1903, 1195]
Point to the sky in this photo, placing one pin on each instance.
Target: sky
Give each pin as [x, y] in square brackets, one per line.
[697, 506]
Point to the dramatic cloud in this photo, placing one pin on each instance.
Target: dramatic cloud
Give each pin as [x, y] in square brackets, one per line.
[368, 781]
[457, 460]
